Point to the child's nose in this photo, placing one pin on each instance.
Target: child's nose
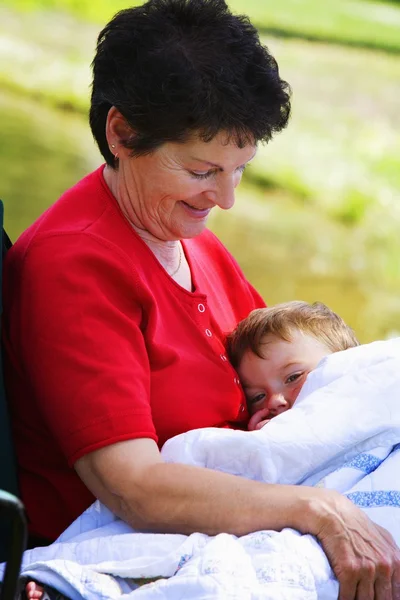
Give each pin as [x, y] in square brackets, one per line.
[277, 404]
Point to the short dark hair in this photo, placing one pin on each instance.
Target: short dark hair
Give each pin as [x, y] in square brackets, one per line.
[281, 320]
[177, 67]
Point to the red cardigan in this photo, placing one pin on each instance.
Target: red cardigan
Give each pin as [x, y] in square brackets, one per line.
[103, 346]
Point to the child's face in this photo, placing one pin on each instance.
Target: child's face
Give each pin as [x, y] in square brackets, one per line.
[272, 384]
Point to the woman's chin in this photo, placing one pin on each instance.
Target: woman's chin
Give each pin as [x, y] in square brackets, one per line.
[188, 230]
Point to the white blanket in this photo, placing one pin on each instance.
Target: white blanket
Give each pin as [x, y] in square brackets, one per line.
[343, 433]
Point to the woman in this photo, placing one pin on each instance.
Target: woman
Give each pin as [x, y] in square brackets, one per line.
[118, 300]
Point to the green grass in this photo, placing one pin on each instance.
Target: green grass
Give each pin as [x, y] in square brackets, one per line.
[46, 152]
[47, 56]
[341, 150]
[357, 22]
[291, 251]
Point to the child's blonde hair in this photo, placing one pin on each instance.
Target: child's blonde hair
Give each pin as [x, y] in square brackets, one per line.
[281, 320]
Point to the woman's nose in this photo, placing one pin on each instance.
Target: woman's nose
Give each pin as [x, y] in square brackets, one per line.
[226, 193]
[277, 404]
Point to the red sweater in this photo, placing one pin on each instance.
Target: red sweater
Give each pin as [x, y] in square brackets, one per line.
[102, 345]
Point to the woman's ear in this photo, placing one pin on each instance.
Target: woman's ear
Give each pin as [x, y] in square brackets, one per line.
[118, 131]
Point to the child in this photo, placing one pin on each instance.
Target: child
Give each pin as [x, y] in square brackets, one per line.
[274, 349]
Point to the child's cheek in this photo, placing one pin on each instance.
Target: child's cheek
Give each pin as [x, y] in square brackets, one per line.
[296, 391]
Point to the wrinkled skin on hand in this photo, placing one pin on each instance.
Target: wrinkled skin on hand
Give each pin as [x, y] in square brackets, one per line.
[363, 555]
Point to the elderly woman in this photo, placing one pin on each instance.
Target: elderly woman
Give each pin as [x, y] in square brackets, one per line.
[118, 300]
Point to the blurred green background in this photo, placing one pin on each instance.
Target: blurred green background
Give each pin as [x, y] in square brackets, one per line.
[318, 213]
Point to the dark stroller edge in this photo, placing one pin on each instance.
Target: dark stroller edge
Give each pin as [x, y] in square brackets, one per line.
[13, 529]
[12, 509]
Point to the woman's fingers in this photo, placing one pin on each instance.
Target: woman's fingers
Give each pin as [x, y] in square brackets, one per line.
[396, 582]
[363, 579]
[387, 584]
[363, 555]
[366, 589]
[384, 590]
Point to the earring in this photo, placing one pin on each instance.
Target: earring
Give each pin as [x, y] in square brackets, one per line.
[116, 154]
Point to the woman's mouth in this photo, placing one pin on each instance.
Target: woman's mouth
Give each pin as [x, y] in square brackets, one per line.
[197, 213]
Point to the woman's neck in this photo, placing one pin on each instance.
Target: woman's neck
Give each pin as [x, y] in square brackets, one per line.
[168, 253]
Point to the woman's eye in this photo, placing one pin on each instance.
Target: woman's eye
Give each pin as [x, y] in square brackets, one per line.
[257, 398]
[206, 174]
[293, 377]
[201, 175]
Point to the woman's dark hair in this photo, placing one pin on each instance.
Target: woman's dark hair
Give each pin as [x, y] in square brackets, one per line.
[174, 67]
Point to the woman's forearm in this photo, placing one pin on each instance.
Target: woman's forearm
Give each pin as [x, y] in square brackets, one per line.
[134, 482]
[183, 499]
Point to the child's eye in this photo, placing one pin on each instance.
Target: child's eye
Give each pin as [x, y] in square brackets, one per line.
[293, 378]
[257, 398]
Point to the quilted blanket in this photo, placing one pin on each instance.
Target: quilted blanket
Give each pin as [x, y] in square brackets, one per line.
[343, 433]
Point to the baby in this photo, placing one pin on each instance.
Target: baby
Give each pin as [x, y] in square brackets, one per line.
[274, 349]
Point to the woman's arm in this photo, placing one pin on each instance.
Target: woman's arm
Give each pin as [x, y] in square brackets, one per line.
[133, 481]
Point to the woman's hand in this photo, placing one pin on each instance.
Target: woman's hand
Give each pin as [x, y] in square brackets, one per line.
[363, 555]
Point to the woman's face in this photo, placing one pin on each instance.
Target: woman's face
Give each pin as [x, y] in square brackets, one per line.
[171, 191]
